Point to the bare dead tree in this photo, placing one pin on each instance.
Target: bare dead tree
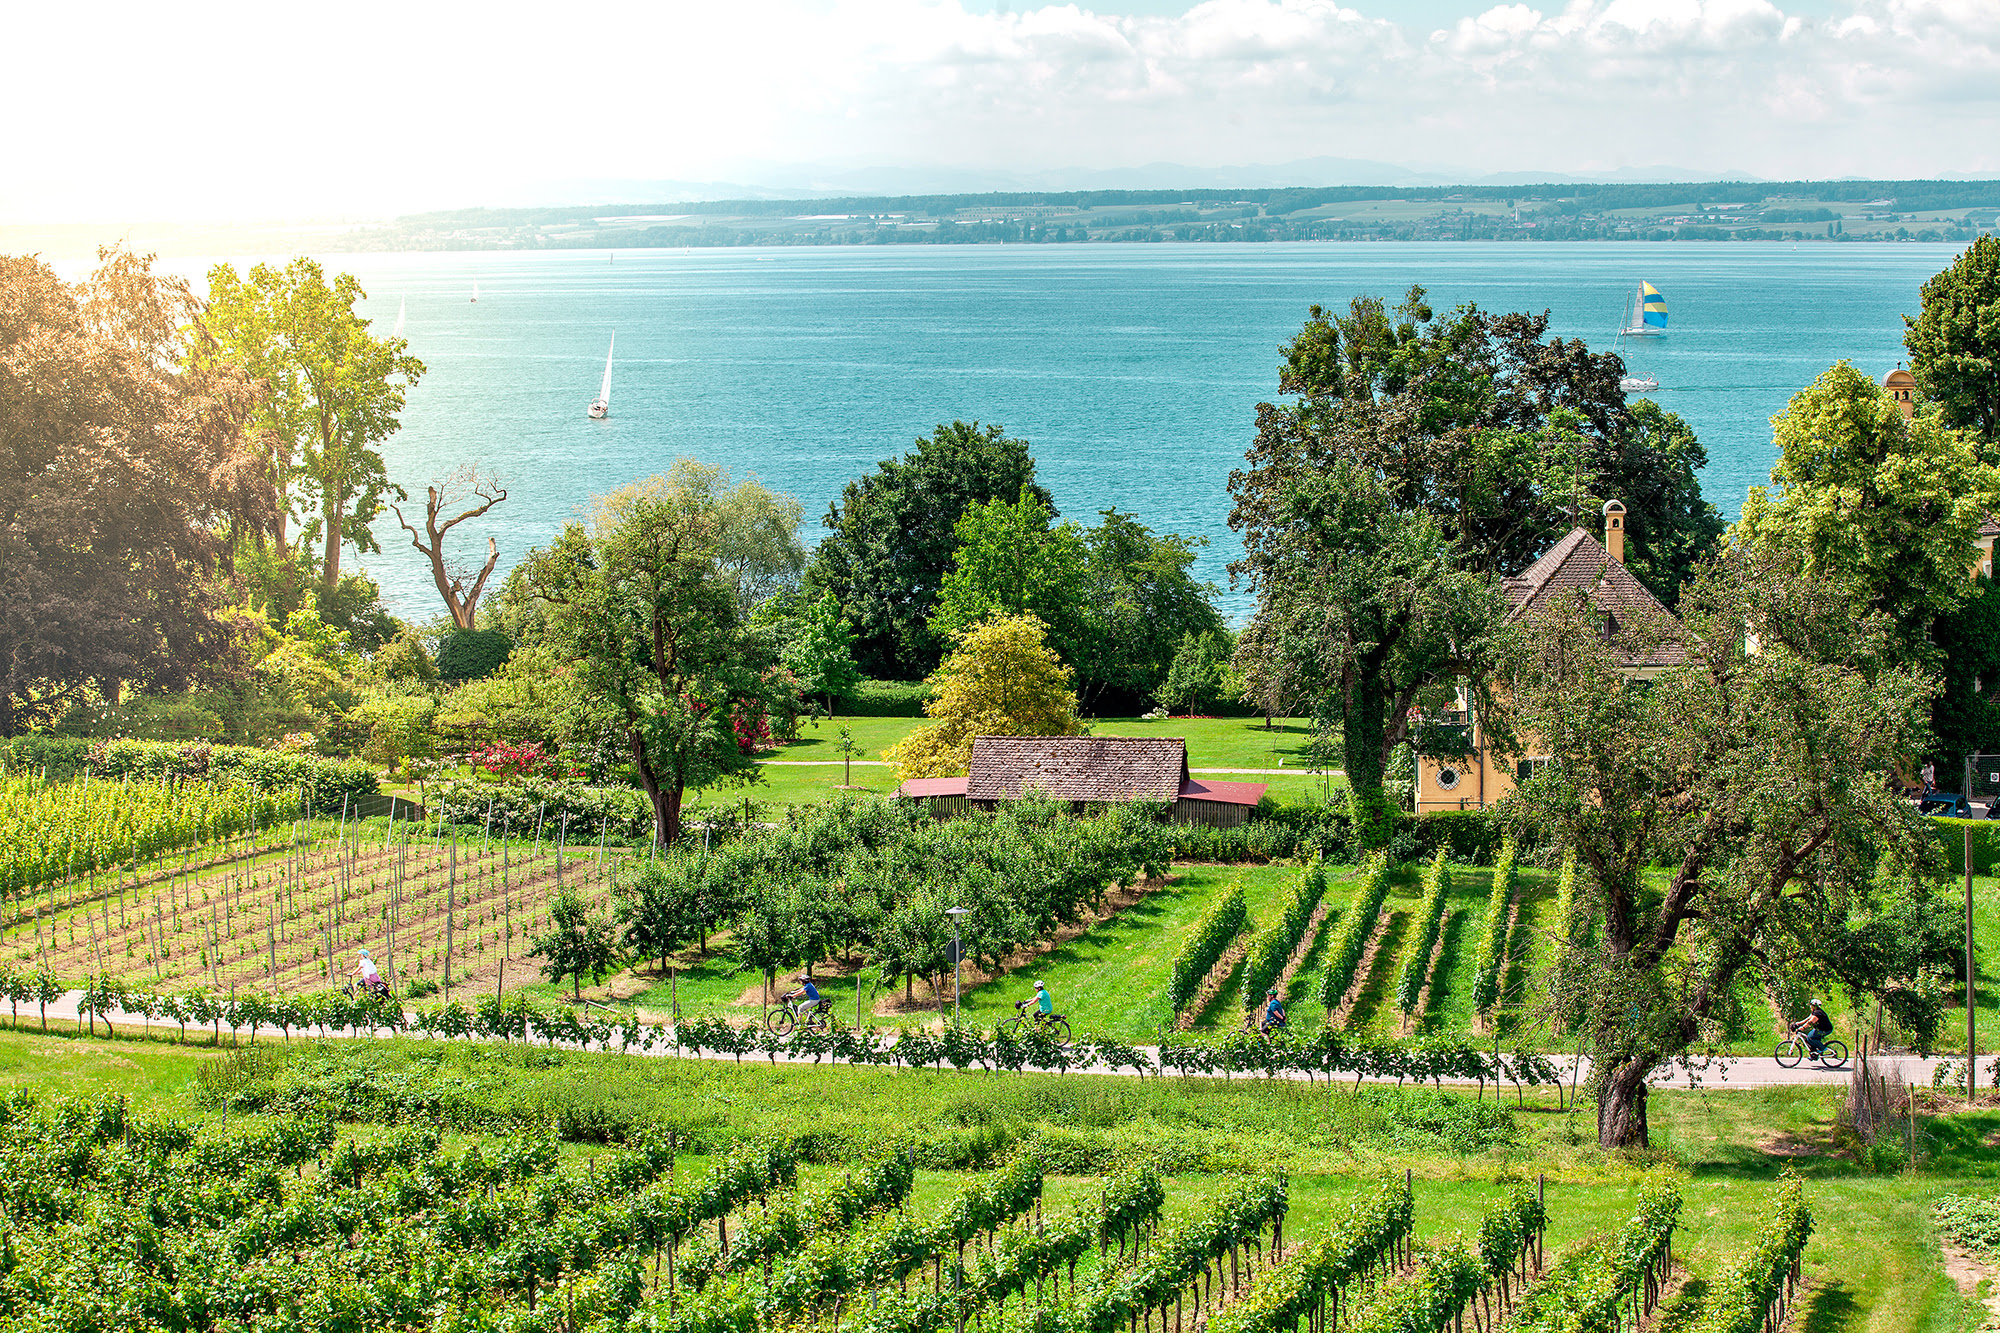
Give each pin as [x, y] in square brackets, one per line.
[463, 487]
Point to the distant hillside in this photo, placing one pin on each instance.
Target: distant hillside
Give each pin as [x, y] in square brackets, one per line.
[1871, 210]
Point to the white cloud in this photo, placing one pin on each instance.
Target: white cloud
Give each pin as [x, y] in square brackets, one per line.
[235, 109]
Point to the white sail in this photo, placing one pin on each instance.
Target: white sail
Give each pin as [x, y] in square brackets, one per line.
[600, 406]
[402, 309]
[475, 292]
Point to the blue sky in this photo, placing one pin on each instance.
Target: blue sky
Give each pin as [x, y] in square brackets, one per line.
[398, 105]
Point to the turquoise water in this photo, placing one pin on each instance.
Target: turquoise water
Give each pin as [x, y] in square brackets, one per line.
[1134, 370]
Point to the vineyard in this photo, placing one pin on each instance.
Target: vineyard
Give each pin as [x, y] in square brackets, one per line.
[258, 896]
[117, 1219]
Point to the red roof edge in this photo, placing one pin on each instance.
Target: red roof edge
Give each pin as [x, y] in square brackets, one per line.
[1228, 793]
[916, 788]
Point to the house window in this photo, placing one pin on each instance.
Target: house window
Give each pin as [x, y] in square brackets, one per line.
[1528, 768]
[1448, 777]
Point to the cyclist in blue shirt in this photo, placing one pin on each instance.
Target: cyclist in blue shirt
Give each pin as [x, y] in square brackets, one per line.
[807, 995]
[1274, 1011]
[1045, 1004]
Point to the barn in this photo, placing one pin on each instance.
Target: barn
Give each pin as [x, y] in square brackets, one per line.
[1088, 772]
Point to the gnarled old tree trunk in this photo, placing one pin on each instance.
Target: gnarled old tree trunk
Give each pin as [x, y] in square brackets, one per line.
[1621, 1106]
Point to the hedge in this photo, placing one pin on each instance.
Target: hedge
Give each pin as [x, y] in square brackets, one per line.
[1985, 843]
[886, 698]
[520, 807]
[324, 781]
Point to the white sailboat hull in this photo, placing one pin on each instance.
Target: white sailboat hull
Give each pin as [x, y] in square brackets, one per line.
[599, 409]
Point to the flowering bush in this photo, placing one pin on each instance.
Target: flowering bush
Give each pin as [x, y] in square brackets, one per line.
[508, 761]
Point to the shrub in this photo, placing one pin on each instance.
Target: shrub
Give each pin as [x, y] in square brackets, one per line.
[472, 654]
[324, 781]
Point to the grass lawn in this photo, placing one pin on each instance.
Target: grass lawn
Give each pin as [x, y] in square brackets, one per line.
[1873, 1264]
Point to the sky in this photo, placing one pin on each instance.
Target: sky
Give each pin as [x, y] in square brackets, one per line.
[208, 111]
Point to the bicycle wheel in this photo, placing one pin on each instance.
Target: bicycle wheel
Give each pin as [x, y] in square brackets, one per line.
[1833, 1053]
[1059, 1029]
[1788, 1054]
[780, 1022]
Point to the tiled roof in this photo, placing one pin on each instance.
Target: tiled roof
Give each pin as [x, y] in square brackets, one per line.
[1227, 793]
[1989, 527]
[1579, 563]
[1077, 768]
[920, 787]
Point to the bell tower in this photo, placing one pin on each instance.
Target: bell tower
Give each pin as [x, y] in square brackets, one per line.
[1902, 387]
[1614, 529]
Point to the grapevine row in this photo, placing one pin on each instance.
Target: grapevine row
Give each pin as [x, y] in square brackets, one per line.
[1362, 1246]
[1357, 927]
[1493, 930]
[1596, 1288]
[1221, 922]
[1271, 947]
[1755, 1293]
[1415, 973]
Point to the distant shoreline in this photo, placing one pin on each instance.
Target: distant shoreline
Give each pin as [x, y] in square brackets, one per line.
[1785, 212]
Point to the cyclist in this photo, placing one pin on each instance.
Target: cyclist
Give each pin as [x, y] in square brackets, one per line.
[370, 978]
[1816, 1026]
[1045, 1003]
[807, 995]
[1274, 1011]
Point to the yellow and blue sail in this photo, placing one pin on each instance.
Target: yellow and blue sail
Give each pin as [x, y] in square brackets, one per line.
[1652, 306]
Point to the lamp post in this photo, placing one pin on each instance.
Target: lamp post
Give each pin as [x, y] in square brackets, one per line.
[957, 955]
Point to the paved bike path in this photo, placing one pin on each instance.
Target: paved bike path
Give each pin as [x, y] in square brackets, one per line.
[1737, 1072]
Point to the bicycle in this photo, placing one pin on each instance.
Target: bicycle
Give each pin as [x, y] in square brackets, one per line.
[786, 1017]
[390, 1013]
[1832, 1052]
[1026, 1020]
[1254, 1022]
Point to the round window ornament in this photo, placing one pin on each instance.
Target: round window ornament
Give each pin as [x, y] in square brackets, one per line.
[1448, 777]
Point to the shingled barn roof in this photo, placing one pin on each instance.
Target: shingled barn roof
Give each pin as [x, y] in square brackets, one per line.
[1077, 768]
[1579, 563]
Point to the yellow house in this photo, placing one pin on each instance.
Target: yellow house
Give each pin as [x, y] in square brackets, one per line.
[1577, 563]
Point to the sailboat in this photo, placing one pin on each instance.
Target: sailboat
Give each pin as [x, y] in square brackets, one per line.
[1645, 313]
[402, 310]
[475, 293]
[1645, 317]
[600, 406]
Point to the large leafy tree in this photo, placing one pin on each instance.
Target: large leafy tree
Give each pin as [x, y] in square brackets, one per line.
[1001, 679]
[1363, 605]
[1885, 509]
[1015, 559]
[1507, 437]
[333, 393]
[1966, 717]
[1142, 602]
[1758, 772]
[639, 602]
[892, 534]
[121, 480]
[1954, 341]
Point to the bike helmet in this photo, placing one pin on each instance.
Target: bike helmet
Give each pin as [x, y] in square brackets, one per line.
[364, 953]
[1272, 991]
[1038, 986]
[1818, 1005]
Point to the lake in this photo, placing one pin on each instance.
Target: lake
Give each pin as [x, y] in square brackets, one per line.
[1133, 370]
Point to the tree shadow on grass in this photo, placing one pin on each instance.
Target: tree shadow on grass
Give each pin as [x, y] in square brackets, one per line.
[1444, 987]
[1829, 1308]
[1375, 997]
